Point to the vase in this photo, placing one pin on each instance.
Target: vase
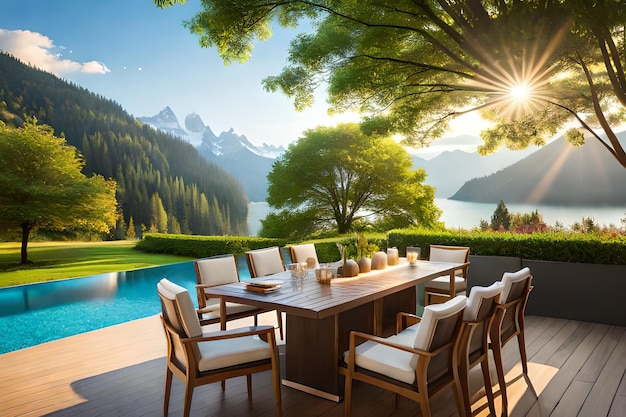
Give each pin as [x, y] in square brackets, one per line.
[349, 269]
[392, 256]
[365, 264]
[379, 260]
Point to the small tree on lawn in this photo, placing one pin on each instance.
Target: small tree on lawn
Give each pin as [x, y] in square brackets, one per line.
[43, 186]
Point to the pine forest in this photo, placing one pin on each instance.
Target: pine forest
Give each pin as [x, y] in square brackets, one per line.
[163, 183]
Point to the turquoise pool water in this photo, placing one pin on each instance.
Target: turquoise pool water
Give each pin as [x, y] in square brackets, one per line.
[37, 313]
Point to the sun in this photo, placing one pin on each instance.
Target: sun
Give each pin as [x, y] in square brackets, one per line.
[520, 92]
[517, 83]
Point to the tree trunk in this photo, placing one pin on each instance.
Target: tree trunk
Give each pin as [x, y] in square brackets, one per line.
[343, 227]
[26, 228]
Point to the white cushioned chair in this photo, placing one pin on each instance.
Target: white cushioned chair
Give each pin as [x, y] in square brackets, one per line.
[418, 363]
[443, 287]
[473, 344]
[198, 358]
[264, 262]
[304, 253]
[508, 322]
[219, 270]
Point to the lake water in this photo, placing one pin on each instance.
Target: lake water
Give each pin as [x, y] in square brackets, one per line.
[466, 215]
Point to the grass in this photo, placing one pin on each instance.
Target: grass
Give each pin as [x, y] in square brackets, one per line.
[60, 260]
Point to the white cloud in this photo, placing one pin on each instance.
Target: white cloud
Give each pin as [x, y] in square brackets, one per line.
[39, 51]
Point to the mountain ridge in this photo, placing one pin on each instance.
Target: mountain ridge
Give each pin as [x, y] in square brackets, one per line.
[234, 153]
[557, 174]
[458, 174]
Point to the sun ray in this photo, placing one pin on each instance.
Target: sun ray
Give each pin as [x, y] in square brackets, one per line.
[518, 85]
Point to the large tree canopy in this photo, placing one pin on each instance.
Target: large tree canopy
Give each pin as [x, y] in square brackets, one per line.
[409, 66]
[336, 176]
[43, 186]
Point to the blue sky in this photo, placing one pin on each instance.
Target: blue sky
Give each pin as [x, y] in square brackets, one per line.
[144, 59]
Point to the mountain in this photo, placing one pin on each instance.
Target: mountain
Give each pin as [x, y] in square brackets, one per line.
[156, 173]
[250, 164]
[557, 174]
[448, 171]
[234, 153]
[237, 156]
[167, 122]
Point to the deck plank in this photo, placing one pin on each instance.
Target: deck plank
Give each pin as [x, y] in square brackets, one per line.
[605, 388]
[576, 368]
[557, 387]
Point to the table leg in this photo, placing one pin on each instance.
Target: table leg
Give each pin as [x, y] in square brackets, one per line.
[315, 347]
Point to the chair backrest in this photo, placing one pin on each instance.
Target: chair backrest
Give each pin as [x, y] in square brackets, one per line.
[514, 284]
[304, 253]
[481, 305]
[217, 270]
[438, 323]
[440, 326]
[178, 309]
[263, 262]
[456, 254]
[481, 302]
[516, 288]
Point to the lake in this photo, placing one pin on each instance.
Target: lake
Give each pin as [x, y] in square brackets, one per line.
[467, 215]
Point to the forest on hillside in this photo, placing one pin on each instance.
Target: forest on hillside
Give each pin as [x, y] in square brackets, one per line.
[163, 183]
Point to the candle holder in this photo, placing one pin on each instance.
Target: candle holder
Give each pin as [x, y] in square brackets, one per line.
[324, 275]
[413, 253]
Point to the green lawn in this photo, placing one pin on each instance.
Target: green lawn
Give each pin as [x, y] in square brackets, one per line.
[58, 260]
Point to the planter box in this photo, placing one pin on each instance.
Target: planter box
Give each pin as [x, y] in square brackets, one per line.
[575, 291]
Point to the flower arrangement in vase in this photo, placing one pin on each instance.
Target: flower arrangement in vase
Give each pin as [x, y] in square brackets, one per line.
[349, 267]
[364, 252]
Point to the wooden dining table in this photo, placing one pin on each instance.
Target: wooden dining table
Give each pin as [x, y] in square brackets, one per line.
[319, 317]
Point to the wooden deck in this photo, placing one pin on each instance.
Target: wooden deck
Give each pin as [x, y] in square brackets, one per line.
[576, 368]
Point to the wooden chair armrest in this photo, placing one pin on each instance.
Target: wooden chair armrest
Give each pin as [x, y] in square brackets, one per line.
[465, 268]
[404, 320]
[362, 337]
[200, 287]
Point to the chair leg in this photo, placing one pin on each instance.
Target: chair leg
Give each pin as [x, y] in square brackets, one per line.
[348, 395]
[249, 386]
[277, 392]
[459, 398]
[522, 351]
[464, 387]
[422, 388]
[488, 389]
[279, 317]
[188, 395]
[223, 385]
[497, 356]
[168, 389]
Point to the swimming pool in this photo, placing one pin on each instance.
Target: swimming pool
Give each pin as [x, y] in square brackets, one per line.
[37, 313]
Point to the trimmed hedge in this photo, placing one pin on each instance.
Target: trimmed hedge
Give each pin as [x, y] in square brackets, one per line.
[203, 246]
[561, 247]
